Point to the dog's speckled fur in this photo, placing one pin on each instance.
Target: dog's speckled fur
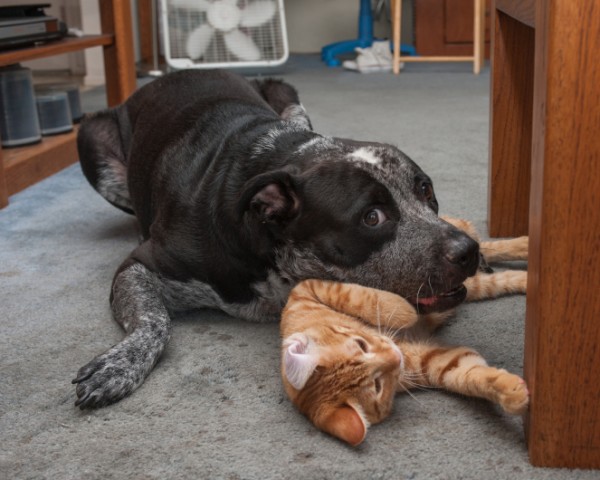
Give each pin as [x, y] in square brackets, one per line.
[238, 200]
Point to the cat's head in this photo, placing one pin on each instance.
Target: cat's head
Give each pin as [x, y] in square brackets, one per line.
[341, 378]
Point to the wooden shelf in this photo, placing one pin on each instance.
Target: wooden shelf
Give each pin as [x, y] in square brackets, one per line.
[24, 166]
[56, 47]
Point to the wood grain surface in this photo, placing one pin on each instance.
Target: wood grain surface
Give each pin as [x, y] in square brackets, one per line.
[119, 59]
[563, 306]
[23, 169]
[511, 99]
[562, 332]
[56, 47]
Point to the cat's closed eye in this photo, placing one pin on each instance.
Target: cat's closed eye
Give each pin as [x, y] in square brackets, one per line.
[362, 344]
[378, 385]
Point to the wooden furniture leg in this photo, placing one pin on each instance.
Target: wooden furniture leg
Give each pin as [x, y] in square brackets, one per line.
[479, 36]
[397, 23]
[562, 338]
[511, 99]
[478, 40]
[119, 60]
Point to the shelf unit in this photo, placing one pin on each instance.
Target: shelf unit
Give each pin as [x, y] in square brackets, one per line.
[21, 167]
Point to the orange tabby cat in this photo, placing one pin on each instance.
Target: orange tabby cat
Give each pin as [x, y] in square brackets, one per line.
[343, 374]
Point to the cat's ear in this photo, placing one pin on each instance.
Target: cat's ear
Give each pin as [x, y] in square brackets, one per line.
[298, 362]
[345, 423]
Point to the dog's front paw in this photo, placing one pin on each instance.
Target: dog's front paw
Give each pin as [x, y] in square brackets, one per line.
[106, 379]
[513, 394]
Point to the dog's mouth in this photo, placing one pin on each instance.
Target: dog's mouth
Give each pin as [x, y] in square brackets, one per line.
[441, 301]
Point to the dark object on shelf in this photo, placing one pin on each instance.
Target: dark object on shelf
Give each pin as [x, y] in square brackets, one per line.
[72, 91]
[54, 113]
[18, 115]
[22, 25]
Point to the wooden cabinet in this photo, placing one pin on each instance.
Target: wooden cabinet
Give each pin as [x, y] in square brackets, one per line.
[24, 166]
[445, 27]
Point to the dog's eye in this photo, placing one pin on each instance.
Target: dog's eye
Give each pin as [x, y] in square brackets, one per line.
[374, 217]
[427, 191]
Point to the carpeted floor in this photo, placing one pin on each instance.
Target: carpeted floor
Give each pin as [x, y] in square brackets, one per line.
[214, 406]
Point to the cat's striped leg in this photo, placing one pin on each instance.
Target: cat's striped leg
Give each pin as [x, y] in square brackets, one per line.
[376, 307]
[505, 250]
[462, 370]
[492, 285]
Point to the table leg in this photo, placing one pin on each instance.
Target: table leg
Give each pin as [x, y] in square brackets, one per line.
[479, 36]
[562, 335]
[397, 20]
[511, 100]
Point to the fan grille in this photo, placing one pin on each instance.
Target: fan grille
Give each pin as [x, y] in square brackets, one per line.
[268, 37]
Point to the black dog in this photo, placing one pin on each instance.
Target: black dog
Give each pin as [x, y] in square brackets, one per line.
[238, 200]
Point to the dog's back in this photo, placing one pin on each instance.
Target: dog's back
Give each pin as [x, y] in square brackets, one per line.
[160, 114]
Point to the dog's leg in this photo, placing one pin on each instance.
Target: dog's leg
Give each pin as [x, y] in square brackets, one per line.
[138, 307]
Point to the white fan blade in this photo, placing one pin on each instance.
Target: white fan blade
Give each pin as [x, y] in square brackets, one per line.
[200, 5]
[258, 13]
[241, 45]
[198, 41]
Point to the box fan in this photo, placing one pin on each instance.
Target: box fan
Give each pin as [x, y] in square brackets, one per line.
[224, 33]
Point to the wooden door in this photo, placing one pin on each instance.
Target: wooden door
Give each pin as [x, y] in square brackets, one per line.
[445, 27]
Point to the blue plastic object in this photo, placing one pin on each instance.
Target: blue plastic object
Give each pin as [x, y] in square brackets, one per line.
[365, 38]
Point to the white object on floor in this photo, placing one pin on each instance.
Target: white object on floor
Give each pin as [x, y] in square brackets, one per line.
[376, 58]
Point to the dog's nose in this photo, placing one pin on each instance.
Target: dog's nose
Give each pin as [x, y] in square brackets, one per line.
[463, 251]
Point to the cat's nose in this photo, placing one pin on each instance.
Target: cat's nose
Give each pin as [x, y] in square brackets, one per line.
[399, 357]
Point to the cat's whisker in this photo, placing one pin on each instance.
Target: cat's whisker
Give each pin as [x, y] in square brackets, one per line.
[416, 386]
[406, 390]
[393, 332]
[419, 291]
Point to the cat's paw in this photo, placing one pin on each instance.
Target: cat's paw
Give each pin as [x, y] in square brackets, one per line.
[513, 395]
[521, 248]
[392, 311]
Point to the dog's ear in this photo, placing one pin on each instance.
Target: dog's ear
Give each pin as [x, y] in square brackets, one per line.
[271, 197]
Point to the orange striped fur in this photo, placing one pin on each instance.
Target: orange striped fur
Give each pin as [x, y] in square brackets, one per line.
[346, 349]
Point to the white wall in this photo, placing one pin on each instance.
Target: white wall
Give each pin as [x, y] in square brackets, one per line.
[313, 24]
[90, 24]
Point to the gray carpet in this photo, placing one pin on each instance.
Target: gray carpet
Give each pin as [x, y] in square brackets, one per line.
[214, 406]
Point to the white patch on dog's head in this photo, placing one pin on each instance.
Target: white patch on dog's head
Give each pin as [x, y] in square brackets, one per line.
[364, 154]
[266, 142]
[318, 143]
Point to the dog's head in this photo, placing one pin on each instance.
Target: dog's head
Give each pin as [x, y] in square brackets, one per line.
[362, 213]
